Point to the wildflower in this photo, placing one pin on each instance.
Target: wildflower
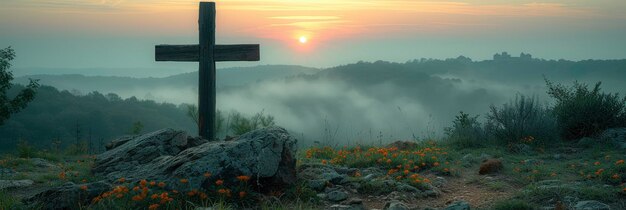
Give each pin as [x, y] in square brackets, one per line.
[62, 175]
[388, 161]
[357, 174]
[207, 174]
[137, 198]
[221, 191]
[83, 187]
[161, 184]
[191, 193]
[153, 206]
[83, 181]
[203, 196]
[120, 195]
[324, 162]
[596, 163]
[553, 174]
[154, 196]
[152, 183]
[619, 162]
[143, 182]
[219, 182]
[406, 171]
[398, 177]
[446, 170]
[122, 180]
[242, 194]
[243, 178]
[136, 188]
[184, 181]
[599, 171]
[436, 164]
[615, 176]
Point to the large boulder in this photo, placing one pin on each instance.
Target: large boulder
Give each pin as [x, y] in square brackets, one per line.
[266, 155]
[67, 196]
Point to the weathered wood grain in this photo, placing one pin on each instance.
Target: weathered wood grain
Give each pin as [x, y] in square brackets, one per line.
[190, 53]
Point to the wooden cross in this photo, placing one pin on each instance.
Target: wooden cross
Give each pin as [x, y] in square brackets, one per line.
[207, 53]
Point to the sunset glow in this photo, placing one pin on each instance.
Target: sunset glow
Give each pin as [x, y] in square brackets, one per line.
[352, 24]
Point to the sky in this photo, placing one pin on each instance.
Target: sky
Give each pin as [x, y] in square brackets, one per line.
[69, 36]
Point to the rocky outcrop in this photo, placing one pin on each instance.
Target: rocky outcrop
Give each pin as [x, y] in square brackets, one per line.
[266, 155]
[68, 196]
[5, 184]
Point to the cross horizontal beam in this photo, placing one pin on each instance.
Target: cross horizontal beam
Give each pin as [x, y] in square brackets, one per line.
[239, 52]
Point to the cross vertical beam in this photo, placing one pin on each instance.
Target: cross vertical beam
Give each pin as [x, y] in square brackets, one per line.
[207, 53]
[206, 73]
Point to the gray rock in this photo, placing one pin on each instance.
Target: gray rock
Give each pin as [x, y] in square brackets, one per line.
[458, 205]
[586, 142]
[558, 156]
[336, 196]
[317, 184]
[406, 188]
[591, 205]
[395, 205]
[68, 196]
[267, 155]
[353, 204]
[439, 181]
[369, 177]
[41, 163]
[6, 184]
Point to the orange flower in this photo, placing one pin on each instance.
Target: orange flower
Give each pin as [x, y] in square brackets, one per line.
[242, 194]
[221, 191]
[154, 196]
[243, 178]
[619, 162]
[597, 163]
[184, 181]
[62, 175]
[136, 188]
[96, 199]
[120, 195]
[219, 182]
[406, 171]
[324, 162]
[207, 174]
[615, 176]
[161, 184]
[436, 164]
[553, 174]
[83, 181]
[137, 198]
[153, 206]
[143, 182]
[191, 193]
[388, 161]
[152, 183]
[83, 187]
[122, 180]
[357, 174]
[203, 196]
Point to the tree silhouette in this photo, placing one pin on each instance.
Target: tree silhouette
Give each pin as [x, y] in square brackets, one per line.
[11, 106]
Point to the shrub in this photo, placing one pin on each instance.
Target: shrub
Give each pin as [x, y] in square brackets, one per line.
[520, 119]
[25, 150]
[581, 112]
[239, 124]
[513, 205]
[466, 131]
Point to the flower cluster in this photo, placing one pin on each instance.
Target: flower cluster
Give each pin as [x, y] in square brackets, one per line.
[155, 194]
[391, 158]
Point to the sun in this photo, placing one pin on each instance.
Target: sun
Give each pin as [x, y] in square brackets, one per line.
[303, 39]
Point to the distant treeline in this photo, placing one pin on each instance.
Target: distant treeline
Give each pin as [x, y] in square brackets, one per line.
[60, 116]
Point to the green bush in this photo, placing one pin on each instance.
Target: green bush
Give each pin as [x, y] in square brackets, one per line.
[523, 120]
[581, 112]
[466, 131]
[25, 150]
[513, 205]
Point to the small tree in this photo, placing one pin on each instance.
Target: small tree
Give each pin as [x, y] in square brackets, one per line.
[522, 118]
[582, 112]
[466, 131]
[11, 106]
